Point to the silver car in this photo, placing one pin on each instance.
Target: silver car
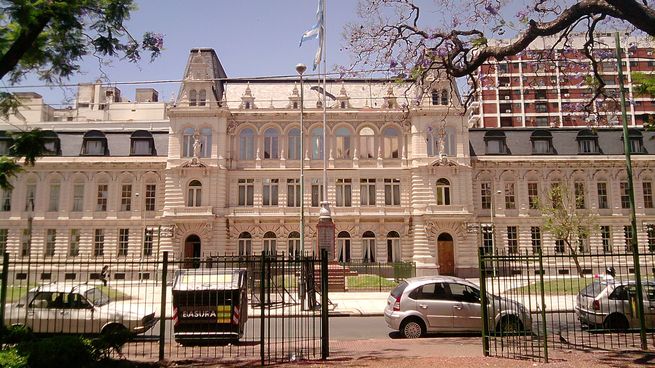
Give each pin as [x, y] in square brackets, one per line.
[611, 304]
[449, 304]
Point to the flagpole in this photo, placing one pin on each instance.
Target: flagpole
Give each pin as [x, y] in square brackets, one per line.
[325, 204]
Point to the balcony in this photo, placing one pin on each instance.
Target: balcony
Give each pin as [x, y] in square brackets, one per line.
[191, 211]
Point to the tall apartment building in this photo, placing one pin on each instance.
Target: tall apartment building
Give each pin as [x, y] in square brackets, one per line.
[549, 87]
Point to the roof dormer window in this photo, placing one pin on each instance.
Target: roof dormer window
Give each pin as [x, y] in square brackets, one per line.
[495, 143]
[587, 142]
[542, 143]
[95, 144]
[142, 144]
[51, 144]
[636, 141]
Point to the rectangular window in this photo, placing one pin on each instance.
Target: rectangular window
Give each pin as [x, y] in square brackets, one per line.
[270, 192]
[53, 204]
[317, 192]
[151, 193]
[485, 195]
[648, 194]
[625, 194]
[4, 234]
[123, 241]
[602, 195]
[510, 198]
[583, 243]
[126, 197]
[99, 243]
[535, 232]
[487, 239]
[293, 193]
[580, 202]
[5, 205]
[30, 197]
[650, 237]
[559, 246]
[74, 243]
[512, 240]
[627, 235]
[101, 203]
[367, 192]
[344, 192]
[606, 238]
[25, 243]
[246, 192]
[533, 195]
[392, 192]
[148, 241]
[556, 192]
[50, 240]
[78, 197]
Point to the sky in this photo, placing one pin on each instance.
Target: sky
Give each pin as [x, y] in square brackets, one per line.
[251, 38]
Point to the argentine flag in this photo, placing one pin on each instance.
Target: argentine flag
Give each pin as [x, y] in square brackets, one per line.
[316, 32]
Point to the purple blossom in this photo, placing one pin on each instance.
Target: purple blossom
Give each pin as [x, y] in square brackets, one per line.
[393, 64]
[491, 8]
[522, 16]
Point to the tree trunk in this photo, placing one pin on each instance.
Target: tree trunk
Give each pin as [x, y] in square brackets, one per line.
[23, 43]
[575, 258]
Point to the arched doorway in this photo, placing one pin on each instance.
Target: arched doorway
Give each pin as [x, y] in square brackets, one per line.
[446, 255]
[192, 251]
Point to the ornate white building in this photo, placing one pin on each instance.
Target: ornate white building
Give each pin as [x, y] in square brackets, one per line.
[218, 172]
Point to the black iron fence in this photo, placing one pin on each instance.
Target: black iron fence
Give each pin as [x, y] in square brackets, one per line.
[369, 276]
[262, 308]
[582, 301]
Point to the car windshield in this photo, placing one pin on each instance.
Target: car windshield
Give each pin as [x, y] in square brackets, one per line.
[96, 297]
[398, 290]
[593, 289]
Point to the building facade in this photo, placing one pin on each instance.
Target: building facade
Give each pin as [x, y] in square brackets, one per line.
[218, 172]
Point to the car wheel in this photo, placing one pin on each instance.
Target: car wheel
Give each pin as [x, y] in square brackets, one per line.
[412, 329]
[616, 322]
[509, 325]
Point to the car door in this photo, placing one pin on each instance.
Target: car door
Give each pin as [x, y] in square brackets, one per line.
[649, 305]
[41, 317]
[432, 302]
[467, 314]
[78, 315]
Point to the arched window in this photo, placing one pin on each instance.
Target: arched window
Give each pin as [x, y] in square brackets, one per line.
[187, 142]
[391, 142]
[443, 192]
[202, 97]
[245, 244]
[343, 247]
[247, 144]
[95, 144]
[317, 144]
[444, 97]
[193, 97]
[393, 247]
[5, 142]
[206, 142]
[366, 143]
[542, 142]
[435, 136]
[495, 143]
[435, 98]
[51, 144]
[450, 148]
[194, 194]
[588, 142]
[271, 137]
[294, 245]
[142, 144]
[368, 247]
[270, 242]
[343, 143]
[293, 149]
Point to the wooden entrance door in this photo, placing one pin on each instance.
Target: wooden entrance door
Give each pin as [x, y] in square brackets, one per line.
[192, 252]
[446, 257]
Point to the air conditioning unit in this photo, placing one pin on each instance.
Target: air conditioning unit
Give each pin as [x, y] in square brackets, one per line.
[507, 97]
[566, 95]
[508, 111]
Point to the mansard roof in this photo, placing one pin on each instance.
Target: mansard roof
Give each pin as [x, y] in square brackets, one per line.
[117, 142]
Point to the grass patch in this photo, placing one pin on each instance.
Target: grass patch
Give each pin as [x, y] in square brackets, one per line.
[14, 293]
[570, 286]
[368, 282]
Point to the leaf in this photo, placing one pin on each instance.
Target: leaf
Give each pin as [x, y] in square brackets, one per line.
[479, 42]
[28, 144]
[8, 168]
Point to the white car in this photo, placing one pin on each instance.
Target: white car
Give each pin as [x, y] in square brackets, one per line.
[77, 309]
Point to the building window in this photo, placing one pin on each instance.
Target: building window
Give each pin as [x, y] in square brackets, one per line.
[51, 143]
[487, 238]
[194, 194]
[293, 149]
[510, 198]
[148, 241]
[317, 192]
[625, 194]
[366, 143]
[78, 197]
[495, 143]
[193, 97]
[602, 195]
[206, 142]
[270, 192]
[123, 241]
[435, 98]
[271, 138]
[606, 238]
[151, 195]
[343, 143]
[542, 143]
[293, 244]
[316, 143]
[533, 195]
[636, 141]
[4, 234]
[587, 142]
[648, 194]
[5, 143]
[142, 144]
[126, 197]
[99, 243]
[25, 243]
[579, 192]
[293, 193]
[246, 192]
[53, 203]
[535, 232]
[583, 242]
[30, 197]
[367, 192]
[559, 246]
[393, 247]
[627, 235]
[247, 144]
[392, 192]
[443, 192]
[202, 97]
[270, 243]
[512, 240]
[50, 242]
[95, 144]
[368, 247]
[74, 243]
[485, 195]
[444, 97]
[5, 205]
[101, 202]
[187, 142]
[344, 192]
[650, 237]
[343, 247]
[245, 244]
[391, 143]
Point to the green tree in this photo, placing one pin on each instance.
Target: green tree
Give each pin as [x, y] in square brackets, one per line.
[645, 86]
[50, 38]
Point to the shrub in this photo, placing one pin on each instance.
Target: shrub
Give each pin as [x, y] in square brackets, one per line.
[10, 358]
[59, 351]
[16, 334]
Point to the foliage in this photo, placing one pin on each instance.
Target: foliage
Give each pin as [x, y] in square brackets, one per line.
[59, 351]
[561, 286]
[645, 86]
[8, 169]
[16, 334]
[28, 144]
[10, 358]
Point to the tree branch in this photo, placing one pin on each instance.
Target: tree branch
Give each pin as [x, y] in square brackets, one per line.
[23, 43]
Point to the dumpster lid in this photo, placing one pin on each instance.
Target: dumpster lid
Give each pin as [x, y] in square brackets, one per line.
[209, 279]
